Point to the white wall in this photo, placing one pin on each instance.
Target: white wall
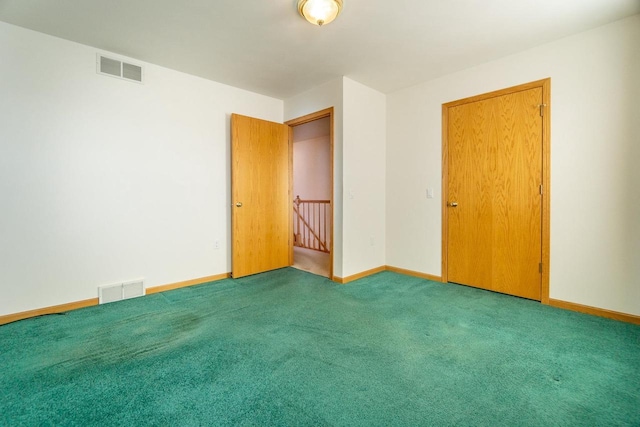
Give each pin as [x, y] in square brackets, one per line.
[595, 178]
[104, 180]
[359, 169]
[320, 98]
[364, 178]
[312, 168]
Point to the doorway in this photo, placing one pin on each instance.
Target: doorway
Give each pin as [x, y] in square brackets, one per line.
[312, 205]
[496, 191]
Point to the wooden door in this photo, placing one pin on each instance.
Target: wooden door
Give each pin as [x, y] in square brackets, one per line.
[494, 209]
[260, 192]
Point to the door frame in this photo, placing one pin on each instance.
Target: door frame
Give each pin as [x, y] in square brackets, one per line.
[327, 112]
[545, 84]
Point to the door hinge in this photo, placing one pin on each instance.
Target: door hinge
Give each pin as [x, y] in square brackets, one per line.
[540, 267]
[542, 109]
[541, 189]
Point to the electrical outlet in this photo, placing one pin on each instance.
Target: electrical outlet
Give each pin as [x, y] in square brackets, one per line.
[216, 244]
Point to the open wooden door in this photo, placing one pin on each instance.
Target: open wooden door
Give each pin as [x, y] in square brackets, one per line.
[261, 196]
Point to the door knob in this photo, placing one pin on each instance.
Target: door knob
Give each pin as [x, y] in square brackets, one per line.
[452, 204]
[239, 204]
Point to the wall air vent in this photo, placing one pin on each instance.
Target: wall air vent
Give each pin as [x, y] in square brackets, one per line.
[122, 70]
[121, 291]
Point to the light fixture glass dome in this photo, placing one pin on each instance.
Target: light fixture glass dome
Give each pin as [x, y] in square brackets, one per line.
[319, 12]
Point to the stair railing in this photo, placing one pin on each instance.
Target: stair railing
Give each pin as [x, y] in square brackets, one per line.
[312, 224]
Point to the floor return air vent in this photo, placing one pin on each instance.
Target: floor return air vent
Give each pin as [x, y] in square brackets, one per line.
[121, 291]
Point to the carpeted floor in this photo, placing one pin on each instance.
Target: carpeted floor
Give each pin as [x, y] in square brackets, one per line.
[291, 348]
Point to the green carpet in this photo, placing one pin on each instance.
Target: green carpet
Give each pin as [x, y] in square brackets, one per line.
[290, 348]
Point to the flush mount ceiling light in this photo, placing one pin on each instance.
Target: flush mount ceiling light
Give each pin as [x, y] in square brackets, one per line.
[319, 12]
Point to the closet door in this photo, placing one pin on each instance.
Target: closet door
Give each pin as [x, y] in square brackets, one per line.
[494, 207]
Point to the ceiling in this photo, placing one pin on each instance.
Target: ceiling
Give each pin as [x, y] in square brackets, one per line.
[311, 130]
[264, 45]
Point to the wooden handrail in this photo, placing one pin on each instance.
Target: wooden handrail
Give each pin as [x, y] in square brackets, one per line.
[313, 233]
[312, 219]
[298, 201]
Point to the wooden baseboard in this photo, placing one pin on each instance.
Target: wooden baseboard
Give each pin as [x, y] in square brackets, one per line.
[601, 312]
[345, 280]
[8, 318]
[624, 317]
[186, 283]
[414, 273]
[94, 301]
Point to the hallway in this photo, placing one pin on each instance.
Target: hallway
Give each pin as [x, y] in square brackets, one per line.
[315, 262]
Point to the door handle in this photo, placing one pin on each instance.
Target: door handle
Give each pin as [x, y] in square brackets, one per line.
[238, 204]
[452, 204]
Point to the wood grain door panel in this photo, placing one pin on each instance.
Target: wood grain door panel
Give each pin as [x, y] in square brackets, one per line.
[494, 174]
[260, 182]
